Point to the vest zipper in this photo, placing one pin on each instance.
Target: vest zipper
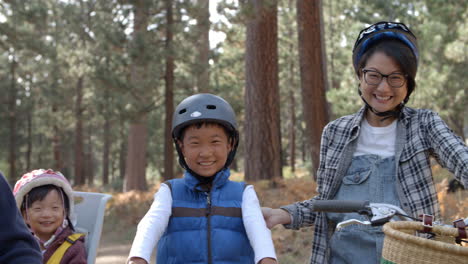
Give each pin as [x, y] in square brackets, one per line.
[208, 213]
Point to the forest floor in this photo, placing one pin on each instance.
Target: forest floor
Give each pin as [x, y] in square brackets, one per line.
[126, 209]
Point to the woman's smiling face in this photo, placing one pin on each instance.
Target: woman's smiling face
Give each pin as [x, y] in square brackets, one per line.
[382, 97]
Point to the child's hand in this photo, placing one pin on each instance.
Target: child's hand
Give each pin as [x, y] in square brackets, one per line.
[136, 260]
[275, 216]
[267, 261]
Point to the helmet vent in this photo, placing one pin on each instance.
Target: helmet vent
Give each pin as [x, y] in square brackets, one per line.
[211, 107]
[182, 111]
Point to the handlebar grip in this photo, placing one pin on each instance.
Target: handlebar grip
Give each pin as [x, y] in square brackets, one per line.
[340, 206]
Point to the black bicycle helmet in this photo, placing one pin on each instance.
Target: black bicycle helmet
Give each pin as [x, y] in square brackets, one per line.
[204, 108]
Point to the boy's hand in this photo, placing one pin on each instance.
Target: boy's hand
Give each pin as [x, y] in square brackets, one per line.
[275, 216]
[136, 260]
[267, 261]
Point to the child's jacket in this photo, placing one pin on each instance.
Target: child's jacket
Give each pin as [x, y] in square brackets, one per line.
[75, 254]
[205, 227]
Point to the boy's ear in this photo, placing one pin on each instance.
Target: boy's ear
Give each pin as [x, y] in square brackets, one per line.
[232, 143]
[180, 144]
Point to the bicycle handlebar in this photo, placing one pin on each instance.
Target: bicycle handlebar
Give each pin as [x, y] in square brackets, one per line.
[340, 206]
[376, 213]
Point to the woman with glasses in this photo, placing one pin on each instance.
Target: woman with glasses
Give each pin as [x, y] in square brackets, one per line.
[380, 154]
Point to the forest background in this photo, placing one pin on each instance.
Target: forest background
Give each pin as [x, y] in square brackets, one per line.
[89, 87]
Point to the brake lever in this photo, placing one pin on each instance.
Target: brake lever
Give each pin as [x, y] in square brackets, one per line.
[381, 214]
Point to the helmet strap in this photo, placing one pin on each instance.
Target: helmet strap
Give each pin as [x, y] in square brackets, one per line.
[386, 114]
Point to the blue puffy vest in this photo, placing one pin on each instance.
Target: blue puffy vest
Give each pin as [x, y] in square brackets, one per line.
[205, 227]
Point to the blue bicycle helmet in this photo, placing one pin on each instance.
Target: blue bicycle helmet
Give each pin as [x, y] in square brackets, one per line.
[383, 30]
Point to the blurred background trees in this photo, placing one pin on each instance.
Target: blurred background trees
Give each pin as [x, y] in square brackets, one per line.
[88, 87]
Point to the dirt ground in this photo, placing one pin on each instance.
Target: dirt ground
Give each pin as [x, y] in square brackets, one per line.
[112, 250]
[112, 253]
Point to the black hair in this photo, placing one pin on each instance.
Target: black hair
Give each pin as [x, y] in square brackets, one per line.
[39, 193]
[398, 51]
[230, 133]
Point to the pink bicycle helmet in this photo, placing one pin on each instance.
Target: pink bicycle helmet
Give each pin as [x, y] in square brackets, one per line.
[42, 177]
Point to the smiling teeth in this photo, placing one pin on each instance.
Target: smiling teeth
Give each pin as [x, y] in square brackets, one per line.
[382, 98]
[206, 163]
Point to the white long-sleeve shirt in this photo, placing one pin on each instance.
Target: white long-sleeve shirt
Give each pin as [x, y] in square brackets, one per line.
[154, 223]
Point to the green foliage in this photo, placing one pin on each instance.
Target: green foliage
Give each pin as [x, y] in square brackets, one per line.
[54, 43]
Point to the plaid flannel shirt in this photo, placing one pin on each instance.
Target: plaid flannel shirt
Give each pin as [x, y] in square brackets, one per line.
[420, 134]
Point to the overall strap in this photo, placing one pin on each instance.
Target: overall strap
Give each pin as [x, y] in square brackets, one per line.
[58, 254]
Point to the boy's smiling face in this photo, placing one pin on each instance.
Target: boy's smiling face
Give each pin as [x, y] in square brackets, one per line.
[44, 217]
[205, 149]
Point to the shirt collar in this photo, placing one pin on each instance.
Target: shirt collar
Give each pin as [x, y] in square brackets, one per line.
[220, 179]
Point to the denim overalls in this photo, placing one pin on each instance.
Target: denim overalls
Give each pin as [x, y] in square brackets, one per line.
[370, 177]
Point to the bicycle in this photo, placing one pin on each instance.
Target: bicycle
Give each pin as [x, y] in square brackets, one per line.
[401, 245]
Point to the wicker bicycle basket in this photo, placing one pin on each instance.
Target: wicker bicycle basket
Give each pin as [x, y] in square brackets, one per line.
[402, 246]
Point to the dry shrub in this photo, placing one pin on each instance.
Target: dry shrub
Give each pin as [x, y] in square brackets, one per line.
[130, 207]
[282, 192]
[452, 205]
[291, 246]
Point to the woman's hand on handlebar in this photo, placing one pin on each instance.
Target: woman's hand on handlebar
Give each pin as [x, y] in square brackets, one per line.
[274, 217]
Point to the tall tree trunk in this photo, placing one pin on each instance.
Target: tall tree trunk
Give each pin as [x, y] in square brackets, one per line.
[336, 78]
[292, 132]
[56, 142]
[135, 173]
[169, 97]
[292, 101]
[135, 157]
[79, 152]
[12, 118]
[107, 141]
[313, 73]
[55, 91]
[29, 138]
[262, 126]
[122, 149]
[89, 167]
[203, 66]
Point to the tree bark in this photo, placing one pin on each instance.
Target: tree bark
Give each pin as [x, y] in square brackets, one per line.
[56, 142]
[107, 141]
[79, 152]
[313, 73]
[135, 172]
[136, 158]
[29, 139]
[89, 167]
[202, 64]
[169, 97]
[122, 150]
[12, 119]
[262, 115]
[292, 132]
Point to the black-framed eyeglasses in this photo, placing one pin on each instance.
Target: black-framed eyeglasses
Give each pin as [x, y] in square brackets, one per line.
[395, 80]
